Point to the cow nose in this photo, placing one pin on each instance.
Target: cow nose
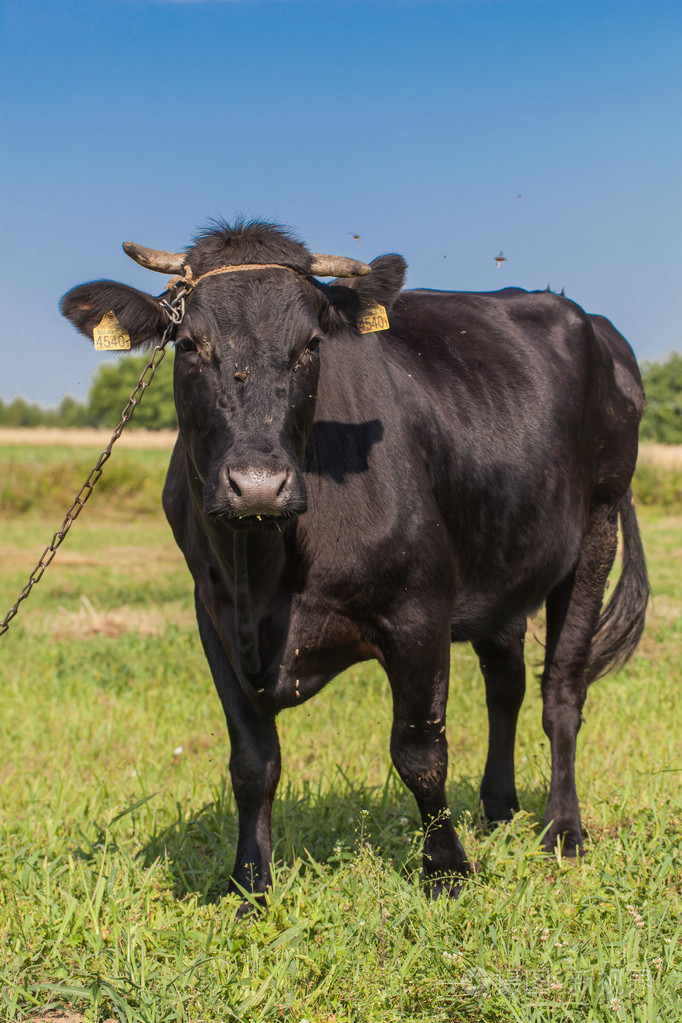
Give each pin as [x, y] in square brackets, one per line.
[259, 491]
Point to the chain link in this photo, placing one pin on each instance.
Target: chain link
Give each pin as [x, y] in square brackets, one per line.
[175, 311]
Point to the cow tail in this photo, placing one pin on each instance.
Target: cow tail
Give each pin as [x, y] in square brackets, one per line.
[621, 622]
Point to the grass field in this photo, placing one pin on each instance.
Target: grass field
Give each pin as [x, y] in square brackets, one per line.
[117, 825]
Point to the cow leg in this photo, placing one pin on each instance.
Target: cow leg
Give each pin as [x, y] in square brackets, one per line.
[504, 672]
[420, 753]
[572, 611]
[255, 764]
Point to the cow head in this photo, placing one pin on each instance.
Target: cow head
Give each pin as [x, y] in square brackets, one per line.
[247, 356]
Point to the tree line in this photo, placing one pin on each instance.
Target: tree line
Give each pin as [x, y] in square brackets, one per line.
[114, 382]
[110, 389]
[662, 420]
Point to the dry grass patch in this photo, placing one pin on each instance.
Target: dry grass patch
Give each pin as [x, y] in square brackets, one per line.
[661, 456]
[61, 1017]
[88, 621]
[137, 562]
[42, 436]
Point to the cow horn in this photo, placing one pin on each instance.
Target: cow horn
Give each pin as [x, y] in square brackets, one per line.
[155, 259]
[337, 266]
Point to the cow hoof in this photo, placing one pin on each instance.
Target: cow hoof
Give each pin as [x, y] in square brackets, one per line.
[499, 811]
[251, 903]
[566, 844]
[250, 908]
[450, 884]
[245, 909]
[437, 888]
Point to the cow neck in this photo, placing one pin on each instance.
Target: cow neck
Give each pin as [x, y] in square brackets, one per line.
[257, 562]
[254, 561]
[245, 622]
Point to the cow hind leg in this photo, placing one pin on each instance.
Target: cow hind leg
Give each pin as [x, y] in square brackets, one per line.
[504, 672]
[420, 754]
[255, 766]
[572, 614]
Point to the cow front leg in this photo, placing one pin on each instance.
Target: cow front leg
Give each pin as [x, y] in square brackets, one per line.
[572, 611]
[504, 672]
[255, 765]
[420, 753]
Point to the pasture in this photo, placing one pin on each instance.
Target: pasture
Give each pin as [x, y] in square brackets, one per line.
[117, 825]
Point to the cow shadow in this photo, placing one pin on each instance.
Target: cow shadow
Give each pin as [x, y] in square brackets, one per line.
[327, 827]
[338, 449]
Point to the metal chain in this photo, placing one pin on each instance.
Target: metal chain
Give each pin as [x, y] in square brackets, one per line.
[175, 310]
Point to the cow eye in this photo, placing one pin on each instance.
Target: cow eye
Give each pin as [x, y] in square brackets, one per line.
[314, 342]
[185, 344]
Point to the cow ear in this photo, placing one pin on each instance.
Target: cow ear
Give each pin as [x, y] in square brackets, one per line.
[139, 315]
[383, 285]
[350, 298]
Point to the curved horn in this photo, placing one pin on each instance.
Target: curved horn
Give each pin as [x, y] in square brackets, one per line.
[156, 259]
[337, 266]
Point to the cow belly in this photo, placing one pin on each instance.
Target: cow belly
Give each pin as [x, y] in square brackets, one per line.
[495, 608]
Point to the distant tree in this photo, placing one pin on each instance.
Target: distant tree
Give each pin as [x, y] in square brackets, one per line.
[662, 420]
[70, 413]
[109, 392]
[20, 413]
[113, 384]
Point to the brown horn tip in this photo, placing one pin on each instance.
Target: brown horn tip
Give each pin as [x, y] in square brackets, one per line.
[156, 259]
[337, 266]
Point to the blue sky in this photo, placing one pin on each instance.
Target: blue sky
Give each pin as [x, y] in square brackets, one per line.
[446, 131]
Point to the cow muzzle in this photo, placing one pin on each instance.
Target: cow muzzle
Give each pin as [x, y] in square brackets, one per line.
[255, 495]
[259, 492]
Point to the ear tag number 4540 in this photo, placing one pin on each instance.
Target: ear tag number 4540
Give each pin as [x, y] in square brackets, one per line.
[373, 318]
[109, 335]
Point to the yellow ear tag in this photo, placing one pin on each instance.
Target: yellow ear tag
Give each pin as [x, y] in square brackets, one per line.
[373, 318]
[109, 335]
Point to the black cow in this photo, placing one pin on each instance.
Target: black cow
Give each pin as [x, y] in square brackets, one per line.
[342, 493]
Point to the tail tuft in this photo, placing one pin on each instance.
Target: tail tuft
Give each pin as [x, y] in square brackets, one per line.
[621, 622]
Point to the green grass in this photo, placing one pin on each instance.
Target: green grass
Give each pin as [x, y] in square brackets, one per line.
[652, 486]
[117, 823]
[48, 478]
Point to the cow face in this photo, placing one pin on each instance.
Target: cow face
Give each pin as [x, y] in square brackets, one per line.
[246, 370]
[247, 362]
